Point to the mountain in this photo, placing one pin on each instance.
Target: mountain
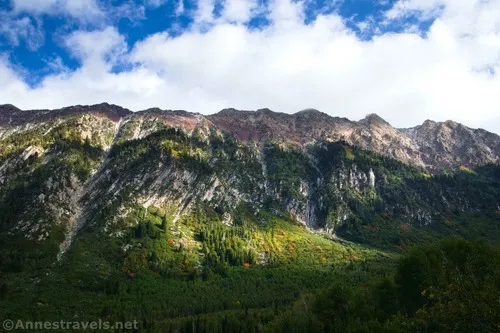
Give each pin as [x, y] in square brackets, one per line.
[432, 145]
[450, 144]
[92, 195]
[327, 172]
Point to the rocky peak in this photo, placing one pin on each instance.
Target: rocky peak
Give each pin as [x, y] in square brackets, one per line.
[429, 123]
[114, 112]
[451, 144]
[12, 116]
[4, 108]
[373, 119]
[451, 124]
[432, 145]
[265, 111]
[229, 112]
[311, 114]
[160, 112]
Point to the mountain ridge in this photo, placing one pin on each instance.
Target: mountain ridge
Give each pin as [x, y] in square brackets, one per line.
[4, 108]
[434, 146]
[124, 112]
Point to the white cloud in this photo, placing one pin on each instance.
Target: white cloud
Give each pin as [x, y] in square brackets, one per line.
[12, 86]
[155, 3]
[290, 66]
[179, 10]
[286, 14]
[425, 8]
[104, 48]
[21, 28]
[77, 8]
[24, 21]
[204, 12]
[126, 10]
[239, 11]
[35, 6]
[89, 12]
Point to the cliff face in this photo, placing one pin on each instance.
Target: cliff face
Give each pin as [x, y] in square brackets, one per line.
[81, 167]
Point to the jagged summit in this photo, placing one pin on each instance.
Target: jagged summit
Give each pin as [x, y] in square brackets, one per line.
[452, 124]
[8, 107]
[152, 110]
[431, 145]
[161, 112]
[266, 110]
[312, 113]
[429, 122]
[13, 116]
[309, 111]
[233, 111]
[373, 119]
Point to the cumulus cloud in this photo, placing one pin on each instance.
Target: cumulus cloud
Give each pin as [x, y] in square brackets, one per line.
[451, 73]
[239, 11]
[16, 29]
[98, 51]
[91, 13]
[204, 12]
[75, 8]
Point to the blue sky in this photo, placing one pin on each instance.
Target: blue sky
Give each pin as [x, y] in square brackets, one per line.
[407, 60]
[34, 50]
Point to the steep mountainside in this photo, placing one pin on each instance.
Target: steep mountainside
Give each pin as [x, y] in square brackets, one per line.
[231, 222]
[87, 166]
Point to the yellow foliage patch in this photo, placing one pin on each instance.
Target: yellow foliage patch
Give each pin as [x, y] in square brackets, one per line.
[349, 154]
[463, 168]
